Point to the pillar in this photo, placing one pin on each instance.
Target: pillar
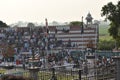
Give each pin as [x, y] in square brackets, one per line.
[34, 73]
[117, 61]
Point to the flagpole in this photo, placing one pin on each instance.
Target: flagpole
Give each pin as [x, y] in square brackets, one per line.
[82, 33]
[46, 41]
[82, 36]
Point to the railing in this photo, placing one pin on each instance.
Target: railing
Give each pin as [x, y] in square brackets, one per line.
[61, 73]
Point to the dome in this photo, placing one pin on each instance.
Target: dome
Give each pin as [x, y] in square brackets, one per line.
[89, 17]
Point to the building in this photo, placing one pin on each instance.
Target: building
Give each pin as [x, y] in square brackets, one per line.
[73, 34]
[73, 37]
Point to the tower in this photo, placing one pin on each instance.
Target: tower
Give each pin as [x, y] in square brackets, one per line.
[89, 18]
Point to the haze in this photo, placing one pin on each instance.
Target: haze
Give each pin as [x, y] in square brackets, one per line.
[54, 10]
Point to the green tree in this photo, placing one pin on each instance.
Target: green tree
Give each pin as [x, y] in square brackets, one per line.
[2, 24]
[112, 13]
[31, 25]
[75, 23]
[106, 44]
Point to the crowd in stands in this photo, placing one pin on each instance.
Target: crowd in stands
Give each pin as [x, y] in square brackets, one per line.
[27, 39]
[37, 40]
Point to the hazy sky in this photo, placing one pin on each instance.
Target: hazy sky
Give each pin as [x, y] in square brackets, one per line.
[12, 11]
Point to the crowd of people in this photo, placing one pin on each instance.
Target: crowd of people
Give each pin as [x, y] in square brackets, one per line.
[40, 42]
[37, 41]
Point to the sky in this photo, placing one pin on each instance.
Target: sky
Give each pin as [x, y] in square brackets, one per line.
[12, 11]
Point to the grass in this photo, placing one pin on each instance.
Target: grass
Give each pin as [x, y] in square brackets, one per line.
[106, 37]
[103, 29]
[103, 33]
[47, 75]
[63, 76]
[2, 71]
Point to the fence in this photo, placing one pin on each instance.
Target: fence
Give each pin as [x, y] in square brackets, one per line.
[63, 73]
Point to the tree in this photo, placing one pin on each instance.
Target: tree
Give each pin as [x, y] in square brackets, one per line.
[106, 45]
[2, 25]
[8, 51]
[31, 25]
[112, 13]
[75, 23]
